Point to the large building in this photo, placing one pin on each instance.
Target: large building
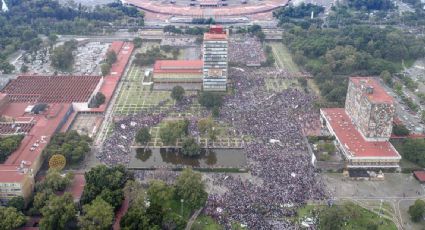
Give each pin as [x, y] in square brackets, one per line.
[363, 128]
[370, 108]
[185, 73]
[214, 50]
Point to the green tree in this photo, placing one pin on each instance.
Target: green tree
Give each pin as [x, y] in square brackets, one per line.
[400, 130]
[210, 99]
[105, 68]
[97, 216]
[54, 181]
[111, 57]
[159, 192]
[191, 189]
[417, 210]
[17, 202]
[137, 42]
[414, 150]
[58, 213]
[106, 182]
[386, 77]
[143, 136]
[24, 68]
[190, 147]
[177, 93]
[173, 130]
[205, 125]
[10, 218]
[62, 57]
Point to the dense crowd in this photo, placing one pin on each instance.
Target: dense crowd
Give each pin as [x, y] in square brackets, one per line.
[116, 148]
[277, 155]
[248, 51]
[284, 166]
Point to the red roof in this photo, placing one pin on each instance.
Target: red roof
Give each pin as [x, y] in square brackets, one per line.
[379, 95]
[51, 89]
[420, 175]
[178, 66]
[110, 82]
[45, 126]
[351, 138]
[213, 36]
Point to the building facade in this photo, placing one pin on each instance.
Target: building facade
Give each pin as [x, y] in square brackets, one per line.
[370, 108]
[215, 52]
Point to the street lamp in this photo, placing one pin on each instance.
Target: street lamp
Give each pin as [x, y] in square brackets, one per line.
[181, 207]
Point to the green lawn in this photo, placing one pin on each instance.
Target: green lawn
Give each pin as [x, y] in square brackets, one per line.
[283, 57]
[206, 223]
[356, 216]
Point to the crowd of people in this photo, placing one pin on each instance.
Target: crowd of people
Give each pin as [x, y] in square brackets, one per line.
[116, 148]
[246, 51]
[284, 165]
[277, 153]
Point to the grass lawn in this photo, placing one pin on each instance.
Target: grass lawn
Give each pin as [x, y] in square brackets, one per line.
[356, 217]
[176, 207]
[283, 57]
[206, 223]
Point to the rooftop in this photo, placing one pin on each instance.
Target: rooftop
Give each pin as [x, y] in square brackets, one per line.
[378, 95]
[43, 127]
[420, 175]
[351, 138]
[178, 66]
[51, 89]
[213, 36]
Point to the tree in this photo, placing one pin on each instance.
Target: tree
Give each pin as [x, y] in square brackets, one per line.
[105, 68]
[98, 215]
[417, 210]
[400, 130]
[177, 93]
[191, 189]
[173, 130]
[143, 136]
[386, 77]
[17, 202]
[58, 213]
[159, 192]
[190, 147]
[137, 42]
[106, 182]
[205, 125]
[111, 57]
[54, 181]
[10, 218]
[210, 99]
[24, 68]
[57, 162]
[62, 57]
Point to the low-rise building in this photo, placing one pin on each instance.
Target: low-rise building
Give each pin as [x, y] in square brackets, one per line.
[185, 73]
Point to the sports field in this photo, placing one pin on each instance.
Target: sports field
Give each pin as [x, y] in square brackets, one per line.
[283, 57]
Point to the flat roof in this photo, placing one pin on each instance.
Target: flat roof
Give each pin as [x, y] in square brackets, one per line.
[178, 66]
[44, 127]
[212, 36]
[351, 138]
[379, 95]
